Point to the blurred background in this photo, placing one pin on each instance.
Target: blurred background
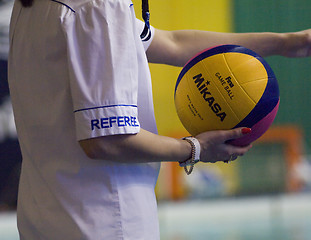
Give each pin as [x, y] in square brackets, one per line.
[264, 195]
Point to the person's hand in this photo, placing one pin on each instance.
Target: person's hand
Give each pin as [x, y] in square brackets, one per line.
[214, 147]
[297, 44]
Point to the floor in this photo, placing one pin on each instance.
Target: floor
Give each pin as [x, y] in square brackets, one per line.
[279, 217]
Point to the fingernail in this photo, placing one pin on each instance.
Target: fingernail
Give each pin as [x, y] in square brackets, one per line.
[246, 131]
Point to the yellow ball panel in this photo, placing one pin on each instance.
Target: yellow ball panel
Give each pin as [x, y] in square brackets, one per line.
[255, 89]
[185, 108]
[228, 86]
[248, 70]
[210, 108]
[206, 108]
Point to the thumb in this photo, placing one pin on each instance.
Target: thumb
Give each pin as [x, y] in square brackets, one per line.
[237, 133]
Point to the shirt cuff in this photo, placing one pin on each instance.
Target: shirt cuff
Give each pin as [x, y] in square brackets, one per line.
[106, 120]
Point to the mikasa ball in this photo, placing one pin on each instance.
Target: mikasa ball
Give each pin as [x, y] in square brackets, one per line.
[226, 87]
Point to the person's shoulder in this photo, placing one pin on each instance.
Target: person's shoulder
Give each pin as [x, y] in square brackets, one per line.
[75, 5]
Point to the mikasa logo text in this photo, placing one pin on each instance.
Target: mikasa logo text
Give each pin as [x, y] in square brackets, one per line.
[202, 86]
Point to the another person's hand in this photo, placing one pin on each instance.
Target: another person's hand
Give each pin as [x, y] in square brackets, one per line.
[214, 147]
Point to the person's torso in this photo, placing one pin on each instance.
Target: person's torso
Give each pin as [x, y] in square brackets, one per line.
[63, 194]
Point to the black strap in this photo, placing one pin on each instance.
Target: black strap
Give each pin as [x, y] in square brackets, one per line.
[146, 34]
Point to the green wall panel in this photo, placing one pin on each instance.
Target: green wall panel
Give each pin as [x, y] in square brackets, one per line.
[294, 75]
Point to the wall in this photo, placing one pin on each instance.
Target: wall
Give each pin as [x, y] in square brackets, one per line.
[236, 16]
[293, 74]
[172, 15]
[208, 15]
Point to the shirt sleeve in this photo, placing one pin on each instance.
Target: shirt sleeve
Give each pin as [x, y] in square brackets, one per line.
[140, 28]
[103, 68]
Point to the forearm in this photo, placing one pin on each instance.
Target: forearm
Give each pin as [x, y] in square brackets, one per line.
[148, 147]
[263, 43]
[179, 46]
[137, 148]
[295, 44]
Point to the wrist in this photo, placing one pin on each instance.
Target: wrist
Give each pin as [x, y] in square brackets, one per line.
[296, 44]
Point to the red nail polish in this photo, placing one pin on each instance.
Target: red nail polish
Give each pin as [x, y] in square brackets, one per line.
[246, 131]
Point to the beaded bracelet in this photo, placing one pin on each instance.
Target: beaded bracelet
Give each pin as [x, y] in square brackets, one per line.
[195, 155]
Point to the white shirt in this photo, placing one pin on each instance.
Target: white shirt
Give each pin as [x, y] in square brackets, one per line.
[77, 70]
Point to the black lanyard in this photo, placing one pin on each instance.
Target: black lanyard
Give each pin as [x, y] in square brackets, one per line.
[145, 11]
[146, 34]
